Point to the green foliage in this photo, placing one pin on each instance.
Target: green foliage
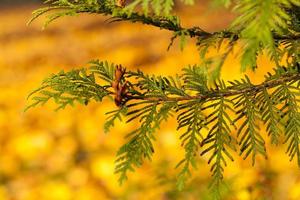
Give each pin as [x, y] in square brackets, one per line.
[288, 93]
[113, 116]
[250, 139]
[225, 3]
[224, 48]
[200, 109]
[219, 141]
[66, 88]
[192, 119]
[204, 104]
[139, 146]
[106, 7]
[158, 7]
[158, 87]
[66, 8]
[270, 115]
[195, 78]
[256, 24]
[104, 70]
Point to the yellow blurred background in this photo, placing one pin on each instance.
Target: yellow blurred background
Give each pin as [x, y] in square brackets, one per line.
[65, 155]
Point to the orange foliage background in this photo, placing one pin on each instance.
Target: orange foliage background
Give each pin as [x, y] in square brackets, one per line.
[65, 155]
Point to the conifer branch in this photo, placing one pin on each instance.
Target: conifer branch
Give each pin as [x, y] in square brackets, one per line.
[150, 100]
[229, 91]
[170, 23]
[151, 88]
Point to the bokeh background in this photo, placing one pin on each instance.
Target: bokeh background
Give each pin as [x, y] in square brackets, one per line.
[65, 155]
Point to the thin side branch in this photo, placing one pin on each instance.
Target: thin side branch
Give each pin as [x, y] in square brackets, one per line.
[171, 24]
